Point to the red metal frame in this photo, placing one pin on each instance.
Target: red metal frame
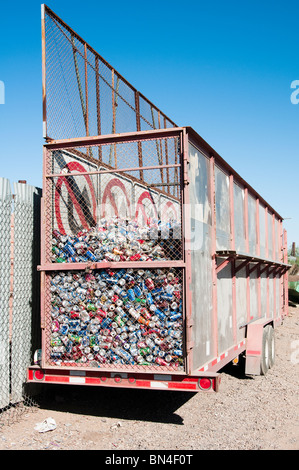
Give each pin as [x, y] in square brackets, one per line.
[47, 267]
[125, 380]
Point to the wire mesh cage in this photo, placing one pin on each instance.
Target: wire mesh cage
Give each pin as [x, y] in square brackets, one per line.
[116, 319]
[111, 206]
[84, 94]
[113, 209]
[117, 209]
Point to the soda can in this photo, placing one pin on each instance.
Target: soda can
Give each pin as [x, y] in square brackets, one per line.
[123, 293]
[117, 289]
[137, 291]
[160, 314]
[153, 307]
[177, 294]
[119, 274]
[149, 283]
[144, 351]
[75, 338]
[161, 361]
[91, 307]
[149, 342]
[133, 351]
[145, 313]
[111, 280]
[135, 257]
[131, 294]
[69, 249]
[74, 325]
[177, 352]
[174, 317]
[119, 320]
[158, 291]
[166, 296]
[106, 322]
[90, 255]
[55, 250]
[64, 329]
[149, 299]
[55, 341]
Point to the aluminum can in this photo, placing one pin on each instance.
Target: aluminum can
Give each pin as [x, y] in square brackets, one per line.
[131, 294]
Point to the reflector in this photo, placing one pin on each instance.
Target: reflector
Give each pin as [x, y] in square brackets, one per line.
[205, 384]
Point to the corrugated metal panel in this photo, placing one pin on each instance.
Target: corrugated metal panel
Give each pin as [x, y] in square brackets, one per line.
[201, 262]
[5, 242]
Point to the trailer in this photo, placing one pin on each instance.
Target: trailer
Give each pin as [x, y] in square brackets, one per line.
[159, 264]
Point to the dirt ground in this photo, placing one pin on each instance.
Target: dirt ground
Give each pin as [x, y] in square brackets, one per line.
[248, 413]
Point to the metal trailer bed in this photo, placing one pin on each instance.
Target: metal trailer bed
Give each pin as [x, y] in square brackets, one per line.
[159, 210]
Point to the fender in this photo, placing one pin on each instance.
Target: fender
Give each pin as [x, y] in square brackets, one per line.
[254, 336]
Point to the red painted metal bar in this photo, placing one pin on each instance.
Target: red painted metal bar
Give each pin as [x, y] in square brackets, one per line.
[44, 87]
[113, 138]
[223, 264]
[246, 218]
[86, 93]
[114, 170]
[111, 265]
[231, 205]
[248, 293]
[259, 292]
[232, 247]
[187, 252]
[214, 258]
[166, 381]
[258, 241]
[138, 125]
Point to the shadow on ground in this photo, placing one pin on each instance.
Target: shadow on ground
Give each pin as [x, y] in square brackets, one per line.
[131, 404]
[118, 403]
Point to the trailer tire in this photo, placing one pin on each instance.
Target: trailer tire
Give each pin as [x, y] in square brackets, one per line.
[265, 351]
[271, 336]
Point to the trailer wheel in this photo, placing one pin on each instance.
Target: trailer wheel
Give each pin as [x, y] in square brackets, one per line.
[271, 339]
[265, 352]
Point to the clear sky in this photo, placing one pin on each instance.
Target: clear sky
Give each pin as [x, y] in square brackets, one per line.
[224, 68]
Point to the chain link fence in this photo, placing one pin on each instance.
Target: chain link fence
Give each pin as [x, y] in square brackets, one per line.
[19, 292]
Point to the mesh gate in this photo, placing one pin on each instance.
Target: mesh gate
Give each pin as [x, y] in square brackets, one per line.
[95, 212]
[116, 318]
[112, 256]
[114, 224]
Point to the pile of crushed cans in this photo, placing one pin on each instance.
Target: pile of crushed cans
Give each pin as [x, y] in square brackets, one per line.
[117, 240]
[125, 316]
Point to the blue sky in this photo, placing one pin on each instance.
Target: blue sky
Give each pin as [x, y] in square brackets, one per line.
[224, 68]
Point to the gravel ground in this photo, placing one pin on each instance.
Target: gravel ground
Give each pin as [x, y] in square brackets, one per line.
[248, 413]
